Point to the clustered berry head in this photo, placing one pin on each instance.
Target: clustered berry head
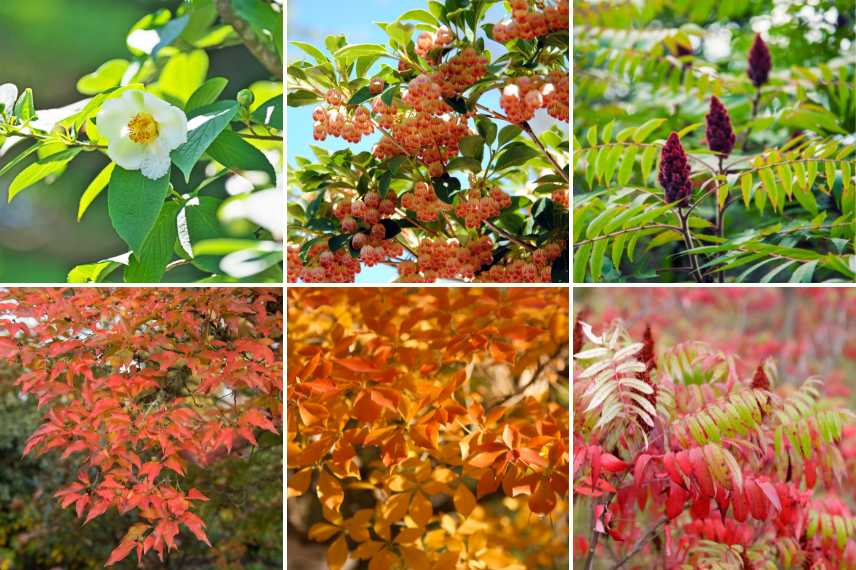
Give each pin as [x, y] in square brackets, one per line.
[339, 120]
[525, 95]
[528, 23]
[447, 259]
[579, 338]
[718, 131]
[426, 127]
[370, 209]
[475, 208]
[760, 62]
[537, 268]
[426, 41]
[423, 200]
[322, 265]
[674, 174]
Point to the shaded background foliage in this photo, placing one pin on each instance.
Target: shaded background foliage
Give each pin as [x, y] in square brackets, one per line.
[48, 45]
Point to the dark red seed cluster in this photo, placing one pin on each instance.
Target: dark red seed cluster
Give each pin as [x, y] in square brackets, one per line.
[718, 131]
[759, 62]
[674, 174]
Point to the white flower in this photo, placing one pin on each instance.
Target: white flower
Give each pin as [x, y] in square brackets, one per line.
[141, 130]
[8, 96]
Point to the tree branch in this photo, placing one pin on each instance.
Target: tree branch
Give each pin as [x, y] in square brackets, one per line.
[643, 540]
[268, 58]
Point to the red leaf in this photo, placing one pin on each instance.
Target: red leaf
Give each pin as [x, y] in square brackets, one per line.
[702, 475]
[771, 493]
[256, 418]
[757, 501]
[613, 464]
[485, 458]
[196, 526]
[97, 509]
[195, 495]
[676, 501]
[672, 468]
[356, 364]
[739, 506]
[120, 552]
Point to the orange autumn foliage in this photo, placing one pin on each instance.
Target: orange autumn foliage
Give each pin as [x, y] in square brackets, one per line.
[141, 386]
[428, 428]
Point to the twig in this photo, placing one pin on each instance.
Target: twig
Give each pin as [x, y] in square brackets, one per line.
[643, 540]
[559, 170]
[267, 57]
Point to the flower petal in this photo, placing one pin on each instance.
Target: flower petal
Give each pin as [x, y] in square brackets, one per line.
[172, 127]
[113, 119]
[156, 161]
[126, 153]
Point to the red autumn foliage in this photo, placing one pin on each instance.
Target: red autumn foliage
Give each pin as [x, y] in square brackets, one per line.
[731, 466]
[140, 386]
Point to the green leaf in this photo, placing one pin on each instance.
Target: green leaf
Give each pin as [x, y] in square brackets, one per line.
[349, 53]
[17, 160]
[200, 218]
[235, 153]
[302, 97]
[95, 187]
[134, 203]
[107, 76]
[149, 264]
[646, 129]
[269, 113]
[362, 95]
[419, 16]
[205, 125]
[627, 162]
[581, 259]
[596, 262]
[206, 94]
[316, 53]
[25, 109]
[591, 135]
[806, 199]
[487, 129]
[804, 272]
[508, 133]
[472, 146]
[93, 272]
[746, 187]
[648, 158]
[183, 74]
[514, 154]
[40, 170]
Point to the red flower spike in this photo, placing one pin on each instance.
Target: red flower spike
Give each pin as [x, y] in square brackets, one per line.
[718, 131]
[674, 174]
[760, 62]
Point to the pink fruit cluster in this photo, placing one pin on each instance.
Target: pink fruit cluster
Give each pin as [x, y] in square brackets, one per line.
[426, 41]
[432, 139]
[377, 250]
[475, 208]
[537, 269]
[322, 266]
[447, 259]
[370, 209]
[528, 23]
[525, 95]
[340, 121]
[423, 200]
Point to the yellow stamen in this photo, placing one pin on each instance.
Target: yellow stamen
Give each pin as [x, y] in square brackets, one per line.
[143, 128]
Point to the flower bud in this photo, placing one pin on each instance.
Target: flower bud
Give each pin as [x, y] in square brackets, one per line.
[674, 174]
[718, 131]
[245, 97]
